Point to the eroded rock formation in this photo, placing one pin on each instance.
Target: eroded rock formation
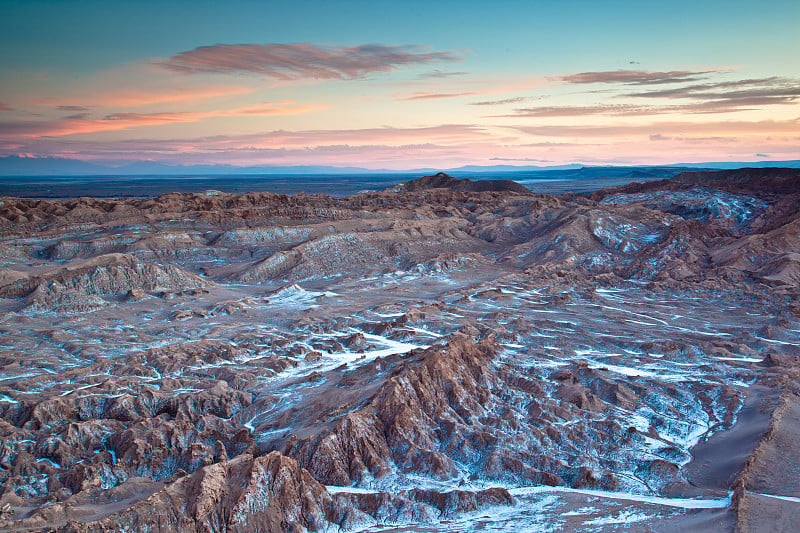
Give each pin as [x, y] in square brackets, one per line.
[442, 353]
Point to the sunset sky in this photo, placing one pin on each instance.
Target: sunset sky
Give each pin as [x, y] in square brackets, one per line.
[401, 85]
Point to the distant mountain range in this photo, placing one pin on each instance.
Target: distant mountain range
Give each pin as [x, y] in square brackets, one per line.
[51, 166]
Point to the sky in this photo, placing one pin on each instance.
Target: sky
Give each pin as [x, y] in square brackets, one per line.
[400, 85]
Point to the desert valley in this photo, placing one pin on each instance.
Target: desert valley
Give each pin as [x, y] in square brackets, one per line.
[444, 355]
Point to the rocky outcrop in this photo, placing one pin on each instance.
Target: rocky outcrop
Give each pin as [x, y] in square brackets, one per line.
[108, 274]
[248, 494]
[408, 420]
[79, 285]
[245, 494]
[452, 414]
[416, 506]
[444, 181]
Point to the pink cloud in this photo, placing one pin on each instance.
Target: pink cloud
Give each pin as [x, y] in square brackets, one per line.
[707, 96]
[578, 111]
[515, 100]
[84, 123]
[274, 108]
[722, 128]
[446, 133]
[73, 108]
[268, 144]
[4, 107]
[132, 97]
[369, 155]
[431, 96]
[442, 145]
[440, 74]
[730, 105]
[301, 60]
[660, 137]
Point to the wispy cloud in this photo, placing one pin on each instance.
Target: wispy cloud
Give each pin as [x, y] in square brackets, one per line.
[733, 95]
[697, 90]
[445, 134]
[388, 147]
[705, 129]
[637, 77]
[576, 111]
[301, 60]
[516, 100]
[78, 116]
[528, 159]
[623, 110]
[284, 107]
[440, 74]
[137, 96]
[698, 98]
[442, 145]
[693, 140]
[4, 107]
[73, 108]
[86, 123]
[431, 96]
[692, 91]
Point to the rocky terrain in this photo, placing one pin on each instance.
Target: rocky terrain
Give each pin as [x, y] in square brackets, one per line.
[445, 355]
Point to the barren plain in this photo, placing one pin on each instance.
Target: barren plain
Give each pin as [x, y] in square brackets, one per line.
[445, 355]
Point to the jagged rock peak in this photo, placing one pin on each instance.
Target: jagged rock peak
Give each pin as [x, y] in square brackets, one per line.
[445, 181]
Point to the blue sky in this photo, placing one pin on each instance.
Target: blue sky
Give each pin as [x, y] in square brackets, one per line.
[400, 84]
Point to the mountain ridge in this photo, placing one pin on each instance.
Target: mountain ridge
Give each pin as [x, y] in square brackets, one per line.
[54, 166]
